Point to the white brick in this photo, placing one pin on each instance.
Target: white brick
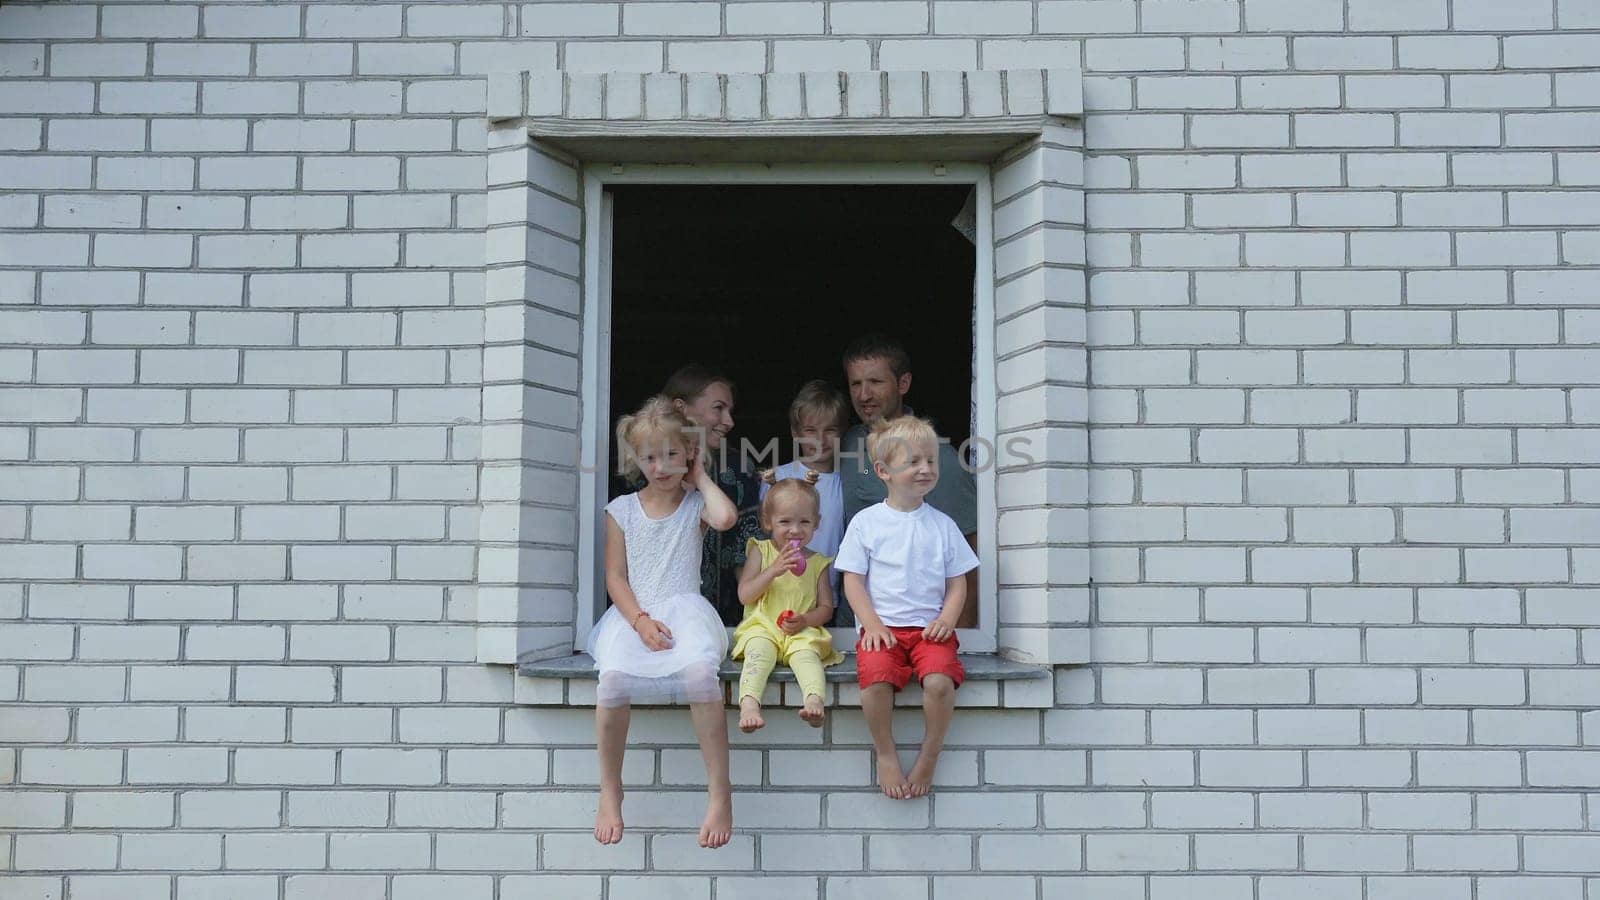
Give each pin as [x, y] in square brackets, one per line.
[776, 18]
[459, 19]
[1502, 168]
[210, 58]
[61, 852]
[1359, 768]
[177, 766]
[70, 766]
[48, 22]
[1022, 55]
[1344, 130]
[407, 58]
[1412, 15]
[1293, 92]
[1310, 15]
[1499, 91]
[1137, 131]
[893, 17]
[1142, 767]
[1296, 170]
[1551, 367]
[1388, 92]
[115, 809]
[22, 58]
[1133, 54]
[1549, 51]
[1185, 250]
[1029, 852]
[55, 97]
[1239, 210]
[1338, 53]
[260, 172]
[1239, 130]
[570, 19]
[966, 17]
[1186, 171]
[1514, 248]
[1352, 367]
[1297, 327]
[353, 21]
[352, 97]
[599, 56]
[1346, 209]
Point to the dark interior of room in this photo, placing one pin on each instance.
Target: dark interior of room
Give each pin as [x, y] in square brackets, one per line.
[768, 283]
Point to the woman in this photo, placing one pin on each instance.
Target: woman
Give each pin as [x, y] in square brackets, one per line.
[705, 397]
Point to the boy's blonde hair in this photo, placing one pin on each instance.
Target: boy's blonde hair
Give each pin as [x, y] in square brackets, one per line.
[818, 397]
[797, 488]
[657, 419]
[900, 433]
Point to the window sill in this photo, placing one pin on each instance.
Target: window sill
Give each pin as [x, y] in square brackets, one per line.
[992, 681]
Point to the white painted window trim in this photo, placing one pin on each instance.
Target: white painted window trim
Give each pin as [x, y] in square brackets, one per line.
[597, 418]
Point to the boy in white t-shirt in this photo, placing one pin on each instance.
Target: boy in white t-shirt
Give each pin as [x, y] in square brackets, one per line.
[904, 566]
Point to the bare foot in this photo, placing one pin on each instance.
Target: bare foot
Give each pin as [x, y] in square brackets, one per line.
[920, 781]
[812, 712]
[718, 826]
[608, 821]
[750, 715]
[891, 780]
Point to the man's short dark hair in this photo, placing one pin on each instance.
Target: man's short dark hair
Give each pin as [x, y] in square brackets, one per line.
[879, 346]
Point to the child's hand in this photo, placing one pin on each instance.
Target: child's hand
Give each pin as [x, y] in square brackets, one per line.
[655, 635]
[876, 637]
[789, 623]
[691, 467]
[787, 560]
[938, 631]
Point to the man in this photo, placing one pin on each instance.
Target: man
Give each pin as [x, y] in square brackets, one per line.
[877, 372]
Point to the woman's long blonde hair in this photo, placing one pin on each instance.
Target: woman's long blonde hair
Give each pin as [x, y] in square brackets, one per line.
[657, 419]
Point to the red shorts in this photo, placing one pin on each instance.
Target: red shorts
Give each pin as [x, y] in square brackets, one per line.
[909, 654]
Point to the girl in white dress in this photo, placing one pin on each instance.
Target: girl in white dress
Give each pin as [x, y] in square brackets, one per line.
[661, 642]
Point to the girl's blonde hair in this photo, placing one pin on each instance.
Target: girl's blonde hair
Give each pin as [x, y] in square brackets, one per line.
[656, 419]
[818, 397]
[889, 436]
[789, 488]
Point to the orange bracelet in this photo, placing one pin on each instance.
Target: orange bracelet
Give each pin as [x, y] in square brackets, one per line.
[641, 615]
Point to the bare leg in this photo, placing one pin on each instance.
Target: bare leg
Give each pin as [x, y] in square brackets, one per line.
[611, 739]
[938, 706]
[711, 729]
[877, 705]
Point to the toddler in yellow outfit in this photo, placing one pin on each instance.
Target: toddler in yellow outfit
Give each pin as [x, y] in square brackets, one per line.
[785, 609]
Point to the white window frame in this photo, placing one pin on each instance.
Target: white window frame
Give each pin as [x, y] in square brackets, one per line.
[595, 384]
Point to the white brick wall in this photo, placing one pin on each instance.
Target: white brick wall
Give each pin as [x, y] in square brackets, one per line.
[1344, 308]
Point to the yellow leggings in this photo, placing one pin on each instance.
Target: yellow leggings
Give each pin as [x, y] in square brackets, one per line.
[761, 655]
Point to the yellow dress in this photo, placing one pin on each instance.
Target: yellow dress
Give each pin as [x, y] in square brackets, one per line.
[787, 592]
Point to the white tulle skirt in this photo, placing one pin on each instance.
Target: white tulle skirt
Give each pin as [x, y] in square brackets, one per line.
[686, 672]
